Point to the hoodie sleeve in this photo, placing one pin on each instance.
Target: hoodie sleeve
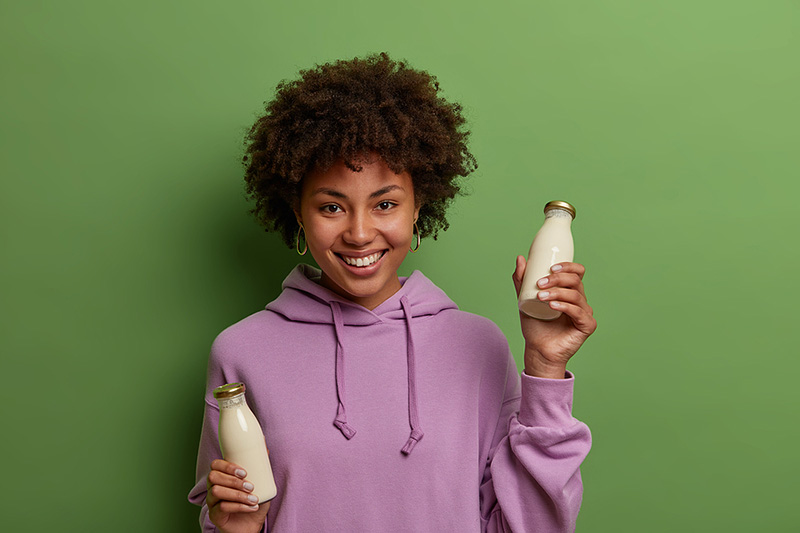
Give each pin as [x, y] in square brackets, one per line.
[209, 436]
[532, 481]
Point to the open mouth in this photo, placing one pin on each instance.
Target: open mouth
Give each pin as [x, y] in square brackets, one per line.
[362, 262]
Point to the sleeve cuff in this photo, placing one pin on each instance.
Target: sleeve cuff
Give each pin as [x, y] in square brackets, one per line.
[546, 402]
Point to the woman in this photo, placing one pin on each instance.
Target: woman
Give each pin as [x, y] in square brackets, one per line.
[385, 408]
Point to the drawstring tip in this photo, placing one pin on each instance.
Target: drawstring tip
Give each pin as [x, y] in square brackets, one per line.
[409, 446]
[411, 442]
[345, 428]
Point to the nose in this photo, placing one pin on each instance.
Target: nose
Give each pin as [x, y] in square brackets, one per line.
[360, 230]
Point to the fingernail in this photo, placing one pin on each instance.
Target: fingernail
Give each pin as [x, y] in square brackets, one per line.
[556, 268]
[248, 486]
[542, 282]
[241, 473]
[254, 507]
[541, 295]
[555, 304]
[253, 498]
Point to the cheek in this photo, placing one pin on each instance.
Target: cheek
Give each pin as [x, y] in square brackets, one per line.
[402, 232]
[320, 235]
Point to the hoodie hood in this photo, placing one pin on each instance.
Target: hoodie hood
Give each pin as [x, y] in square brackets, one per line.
[304, 300]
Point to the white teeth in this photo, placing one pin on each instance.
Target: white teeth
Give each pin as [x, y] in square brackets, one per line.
[362, 261]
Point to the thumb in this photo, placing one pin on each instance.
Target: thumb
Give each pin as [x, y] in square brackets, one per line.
[519, 272]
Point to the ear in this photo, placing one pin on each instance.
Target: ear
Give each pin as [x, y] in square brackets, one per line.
[416, 212]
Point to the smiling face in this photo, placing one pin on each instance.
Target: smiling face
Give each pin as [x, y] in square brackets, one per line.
[359, 227]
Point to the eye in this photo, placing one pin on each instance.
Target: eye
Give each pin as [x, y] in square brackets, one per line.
[330, 208]
[385, 205]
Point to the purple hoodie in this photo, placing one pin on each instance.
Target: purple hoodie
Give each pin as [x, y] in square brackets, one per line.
[409, 417]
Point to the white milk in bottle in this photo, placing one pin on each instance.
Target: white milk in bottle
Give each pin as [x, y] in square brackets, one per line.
[242, 441]
[552, 244]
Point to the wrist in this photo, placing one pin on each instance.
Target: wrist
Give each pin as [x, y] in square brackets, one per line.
[536, 365]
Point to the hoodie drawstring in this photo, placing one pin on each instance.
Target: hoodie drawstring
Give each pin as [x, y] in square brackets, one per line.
[413, 415]
[341, 414]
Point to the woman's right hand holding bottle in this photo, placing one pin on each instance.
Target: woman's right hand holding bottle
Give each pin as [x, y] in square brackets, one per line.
[232, 506]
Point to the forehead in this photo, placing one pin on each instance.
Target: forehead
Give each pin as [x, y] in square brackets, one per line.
[373, 176]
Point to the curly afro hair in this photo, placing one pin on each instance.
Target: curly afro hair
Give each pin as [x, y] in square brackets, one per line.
[346, 111]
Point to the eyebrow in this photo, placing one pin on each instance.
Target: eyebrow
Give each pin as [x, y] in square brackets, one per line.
[337, 194]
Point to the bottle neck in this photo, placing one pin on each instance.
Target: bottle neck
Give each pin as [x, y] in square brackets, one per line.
[232, 402]
[556, 215]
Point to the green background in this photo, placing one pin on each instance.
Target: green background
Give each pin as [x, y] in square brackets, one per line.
[127, 244]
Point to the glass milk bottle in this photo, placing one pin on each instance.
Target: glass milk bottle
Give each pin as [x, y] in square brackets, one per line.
[552, 244]
[242, 441]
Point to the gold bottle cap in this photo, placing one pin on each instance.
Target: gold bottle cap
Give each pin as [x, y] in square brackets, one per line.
[229, 390]
[557, 204]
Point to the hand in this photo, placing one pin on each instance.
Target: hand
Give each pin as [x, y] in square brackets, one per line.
[229, 506]
[550, 344]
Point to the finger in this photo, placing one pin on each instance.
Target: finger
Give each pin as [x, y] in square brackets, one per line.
[567, 280]
[227, 474]
[229, 503]
[571, 296]
[232, 469]
[220, 493]
[235, 482]
[226, 507]
[563, 294]
[581, 318]
[574, 268]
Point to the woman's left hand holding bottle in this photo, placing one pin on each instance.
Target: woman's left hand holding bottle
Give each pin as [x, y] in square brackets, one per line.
[550, 344]
[230, 500]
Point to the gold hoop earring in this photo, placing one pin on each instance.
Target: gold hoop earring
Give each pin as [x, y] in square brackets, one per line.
[297, 241]
[415, 233]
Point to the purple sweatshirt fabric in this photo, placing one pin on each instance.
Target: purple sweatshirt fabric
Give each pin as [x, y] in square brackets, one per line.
[409, 417]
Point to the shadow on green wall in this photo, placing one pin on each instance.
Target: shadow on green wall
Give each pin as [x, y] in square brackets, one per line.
[242, 269]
